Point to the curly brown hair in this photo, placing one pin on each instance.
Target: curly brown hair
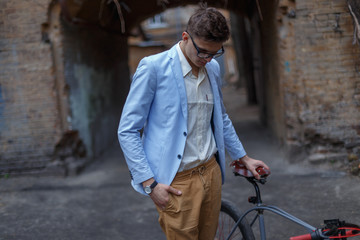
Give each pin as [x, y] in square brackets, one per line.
[208, 24]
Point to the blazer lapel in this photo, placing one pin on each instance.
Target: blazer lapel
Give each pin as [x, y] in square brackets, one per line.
[217, 113]
[176, 68]
[214, 84]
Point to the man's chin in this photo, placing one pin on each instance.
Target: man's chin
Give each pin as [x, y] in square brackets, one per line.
[201, 64]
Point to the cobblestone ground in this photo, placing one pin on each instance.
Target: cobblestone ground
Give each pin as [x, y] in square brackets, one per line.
[100, 204]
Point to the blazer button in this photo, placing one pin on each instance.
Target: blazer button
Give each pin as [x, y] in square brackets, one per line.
[185, 134]
[179, 156]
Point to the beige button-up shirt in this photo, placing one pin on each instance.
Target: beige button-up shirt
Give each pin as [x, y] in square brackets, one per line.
[200, 144]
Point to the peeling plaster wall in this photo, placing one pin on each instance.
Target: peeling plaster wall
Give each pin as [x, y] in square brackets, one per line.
[96, 71]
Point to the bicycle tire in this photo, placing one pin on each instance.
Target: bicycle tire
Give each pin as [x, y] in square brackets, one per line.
[229, 215]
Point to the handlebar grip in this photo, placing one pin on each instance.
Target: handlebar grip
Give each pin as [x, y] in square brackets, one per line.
[302, 237]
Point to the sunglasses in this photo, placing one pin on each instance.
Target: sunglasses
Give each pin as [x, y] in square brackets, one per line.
[204, 54]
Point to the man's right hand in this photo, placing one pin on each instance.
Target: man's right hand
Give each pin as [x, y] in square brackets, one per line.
[160, 194]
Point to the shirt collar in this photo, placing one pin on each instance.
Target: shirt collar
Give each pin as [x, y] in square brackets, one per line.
[185, 66]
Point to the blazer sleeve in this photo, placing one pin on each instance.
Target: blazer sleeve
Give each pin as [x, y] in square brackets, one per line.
[133, 119]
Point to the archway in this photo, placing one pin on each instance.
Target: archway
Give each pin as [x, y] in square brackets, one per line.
[95, 60]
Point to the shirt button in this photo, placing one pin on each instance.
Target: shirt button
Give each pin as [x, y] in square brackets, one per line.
[179, 156]
[185, 134]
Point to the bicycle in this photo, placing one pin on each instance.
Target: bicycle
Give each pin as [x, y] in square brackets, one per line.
[234, 225]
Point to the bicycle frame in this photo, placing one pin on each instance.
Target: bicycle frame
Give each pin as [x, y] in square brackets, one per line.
[260, 208]
[333, 226]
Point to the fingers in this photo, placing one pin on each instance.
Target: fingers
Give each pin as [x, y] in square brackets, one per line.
[256, 175]
[174, 191]
[160, 195]
[252, 164]
[160, 202]
[265, 166]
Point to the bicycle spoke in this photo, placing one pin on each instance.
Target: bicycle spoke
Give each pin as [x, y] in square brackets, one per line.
[226, 223]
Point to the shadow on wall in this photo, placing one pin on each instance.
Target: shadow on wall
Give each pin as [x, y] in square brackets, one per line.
[96, 72]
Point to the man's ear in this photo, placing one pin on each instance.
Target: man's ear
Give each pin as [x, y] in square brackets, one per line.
[184, 36]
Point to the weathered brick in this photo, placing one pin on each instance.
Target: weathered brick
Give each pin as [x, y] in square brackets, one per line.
[325, 87]
[30, 123]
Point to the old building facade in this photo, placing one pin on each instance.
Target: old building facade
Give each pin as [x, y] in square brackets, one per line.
[64, 75]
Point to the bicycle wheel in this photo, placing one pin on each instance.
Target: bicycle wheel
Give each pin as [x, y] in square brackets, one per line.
[229, 215]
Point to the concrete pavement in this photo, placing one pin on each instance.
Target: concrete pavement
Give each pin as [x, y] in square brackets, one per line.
[100, 203]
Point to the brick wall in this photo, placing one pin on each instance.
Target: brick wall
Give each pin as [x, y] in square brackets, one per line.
[28, 109]
[61, 88]
[311, 87]
[320, 79]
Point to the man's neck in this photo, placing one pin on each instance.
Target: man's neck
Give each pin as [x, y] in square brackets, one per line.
[194, 69]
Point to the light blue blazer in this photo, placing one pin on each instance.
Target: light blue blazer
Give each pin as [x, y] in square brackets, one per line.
[157, 103]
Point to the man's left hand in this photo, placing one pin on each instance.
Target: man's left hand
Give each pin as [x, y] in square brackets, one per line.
[251, 164]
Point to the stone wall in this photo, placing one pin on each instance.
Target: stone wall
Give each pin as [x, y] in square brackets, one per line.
[320, 79]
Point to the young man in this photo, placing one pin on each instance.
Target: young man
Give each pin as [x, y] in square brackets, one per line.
[179, 160]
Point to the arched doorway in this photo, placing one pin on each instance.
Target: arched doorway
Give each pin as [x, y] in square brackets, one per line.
[95, 67]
